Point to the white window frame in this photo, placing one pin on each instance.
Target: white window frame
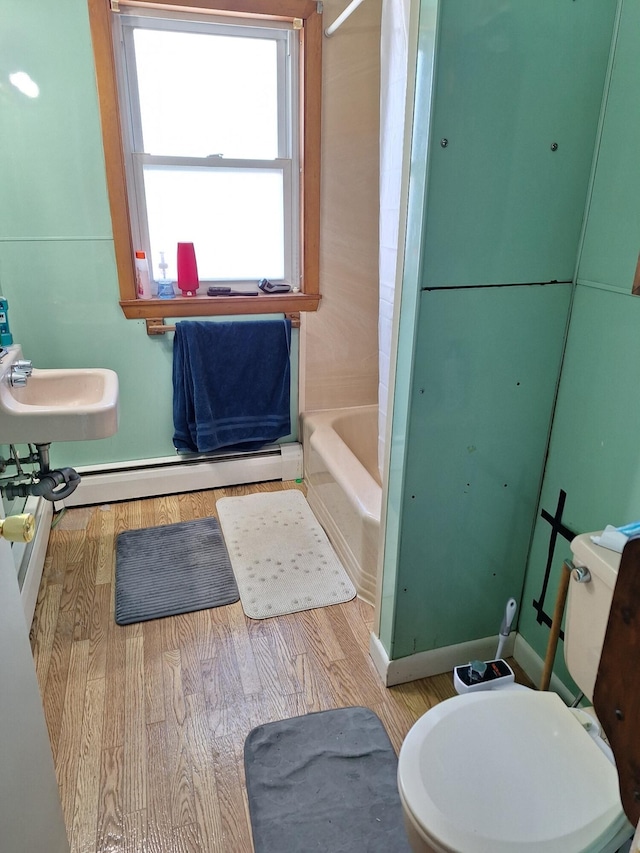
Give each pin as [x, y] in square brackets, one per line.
[135, 159]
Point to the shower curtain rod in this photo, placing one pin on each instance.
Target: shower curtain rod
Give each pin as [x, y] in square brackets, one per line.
[330, 30]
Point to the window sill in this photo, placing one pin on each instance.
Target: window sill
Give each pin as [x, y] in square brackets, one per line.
[205, 306]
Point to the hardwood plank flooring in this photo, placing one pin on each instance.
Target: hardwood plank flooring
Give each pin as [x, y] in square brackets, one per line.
[147, 722]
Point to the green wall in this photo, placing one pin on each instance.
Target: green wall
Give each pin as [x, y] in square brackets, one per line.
[57, 266]
[501, 213]
[487, 361]
[593, 455]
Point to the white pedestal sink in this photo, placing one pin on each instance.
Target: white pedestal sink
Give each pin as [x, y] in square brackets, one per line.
[57, 405]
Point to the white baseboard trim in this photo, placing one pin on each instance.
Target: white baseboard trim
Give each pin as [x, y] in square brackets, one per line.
[147, 478]
[425, 664]
[533, 665]
[31, 557]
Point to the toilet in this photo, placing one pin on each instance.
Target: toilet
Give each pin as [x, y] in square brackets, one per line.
[514, 769]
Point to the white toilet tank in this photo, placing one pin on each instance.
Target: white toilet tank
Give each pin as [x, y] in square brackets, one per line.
[588, 605]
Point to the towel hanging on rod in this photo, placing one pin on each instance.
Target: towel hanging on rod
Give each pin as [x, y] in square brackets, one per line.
[231, 384]
[330, 30]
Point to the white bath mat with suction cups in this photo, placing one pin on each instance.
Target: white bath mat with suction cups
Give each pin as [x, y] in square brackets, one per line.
[281, 557]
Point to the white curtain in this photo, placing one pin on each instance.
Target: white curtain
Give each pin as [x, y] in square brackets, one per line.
[394, 49]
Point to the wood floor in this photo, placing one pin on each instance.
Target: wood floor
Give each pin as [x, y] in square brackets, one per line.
[147, 722]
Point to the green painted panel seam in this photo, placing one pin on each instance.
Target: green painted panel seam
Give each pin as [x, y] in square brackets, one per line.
[18, 240]
[485, 286]
[601, 285]
[432, 142]
[599, 131]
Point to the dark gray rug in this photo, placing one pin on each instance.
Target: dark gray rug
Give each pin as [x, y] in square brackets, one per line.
[178, 568]
[324, 782]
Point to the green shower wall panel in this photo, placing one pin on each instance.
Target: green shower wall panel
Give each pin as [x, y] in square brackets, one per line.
[410, 302]
[612, 237]
[513, 77]
[485, 374]
[57, 266]
[593, 453]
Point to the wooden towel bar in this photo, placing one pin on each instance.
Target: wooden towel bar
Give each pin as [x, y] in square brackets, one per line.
[157, 326]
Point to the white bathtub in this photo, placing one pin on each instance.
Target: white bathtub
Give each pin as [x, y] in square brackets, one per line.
[343, 487]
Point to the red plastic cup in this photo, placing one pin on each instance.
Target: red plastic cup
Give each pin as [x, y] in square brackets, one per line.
[188, 280]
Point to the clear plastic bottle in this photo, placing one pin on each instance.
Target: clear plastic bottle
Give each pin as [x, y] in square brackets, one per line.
[143, 279]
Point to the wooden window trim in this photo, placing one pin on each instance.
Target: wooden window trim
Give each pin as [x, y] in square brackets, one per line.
[311, 91]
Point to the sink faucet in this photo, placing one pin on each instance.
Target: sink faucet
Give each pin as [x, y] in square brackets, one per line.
[20, 371]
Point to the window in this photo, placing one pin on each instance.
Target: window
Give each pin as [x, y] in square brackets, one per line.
[211, 131]
[210, 144]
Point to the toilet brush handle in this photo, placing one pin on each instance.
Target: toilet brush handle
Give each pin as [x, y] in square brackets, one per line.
[505, 628]
[509, 613]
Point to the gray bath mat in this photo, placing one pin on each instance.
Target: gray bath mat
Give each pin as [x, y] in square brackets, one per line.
[178, 568]
[281, 557]
[325, 782]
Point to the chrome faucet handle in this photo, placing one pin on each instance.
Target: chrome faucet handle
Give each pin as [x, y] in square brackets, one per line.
[22, 365]
[17, 378]
[581, 574]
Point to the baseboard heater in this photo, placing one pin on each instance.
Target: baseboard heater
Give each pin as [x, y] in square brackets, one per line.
[171, 475]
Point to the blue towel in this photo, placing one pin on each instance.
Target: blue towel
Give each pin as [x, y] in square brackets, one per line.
[231, 384]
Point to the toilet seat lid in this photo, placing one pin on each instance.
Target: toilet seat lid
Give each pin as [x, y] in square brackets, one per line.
[507, 771]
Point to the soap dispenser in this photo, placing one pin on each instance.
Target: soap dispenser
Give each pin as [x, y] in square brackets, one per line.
[165, 285]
